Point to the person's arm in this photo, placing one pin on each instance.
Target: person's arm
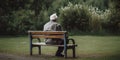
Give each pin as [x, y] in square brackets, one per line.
[59, 28]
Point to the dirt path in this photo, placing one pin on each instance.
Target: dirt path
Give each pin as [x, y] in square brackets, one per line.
[12, 57]
[15, 57]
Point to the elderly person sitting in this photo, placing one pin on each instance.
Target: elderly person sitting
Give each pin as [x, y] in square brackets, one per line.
[52, 25]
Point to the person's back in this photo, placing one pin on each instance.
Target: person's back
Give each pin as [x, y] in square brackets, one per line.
[52, 25]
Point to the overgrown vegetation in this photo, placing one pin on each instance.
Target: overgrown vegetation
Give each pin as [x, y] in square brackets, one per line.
[19, 16]
[83, 18]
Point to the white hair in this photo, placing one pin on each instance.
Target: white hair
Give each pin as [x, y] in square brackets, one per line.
[53, 16]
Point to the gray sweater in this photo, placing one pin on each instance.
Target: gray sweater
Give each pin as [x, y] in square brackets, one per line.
[52, 26]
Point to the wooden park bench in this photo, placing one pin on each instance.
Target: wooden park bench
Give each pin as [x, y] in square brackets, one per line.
[39, 35]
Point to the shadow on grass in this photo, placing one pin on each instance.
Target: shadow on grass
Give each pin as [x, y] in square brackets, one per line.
[89, 57]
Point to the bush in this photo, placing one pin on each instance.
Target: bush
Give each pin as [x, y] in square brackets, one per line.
[83, 18]
[3, 24]
[114, 24]
[40, 20]
[74, 17]
[20, 21]
[98, 18]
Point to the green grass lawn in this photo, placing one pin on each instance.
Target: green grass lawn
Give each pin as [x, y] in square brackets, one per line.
[89, 48]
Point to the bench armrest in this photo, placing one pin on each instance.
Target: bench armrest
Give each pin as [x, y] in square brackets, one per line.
[70, 39]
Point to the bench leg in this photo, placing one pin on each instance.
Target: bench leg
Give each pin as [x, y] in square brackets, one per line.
[39, 48]
[30, 50]
[74, 52]
[65, 53]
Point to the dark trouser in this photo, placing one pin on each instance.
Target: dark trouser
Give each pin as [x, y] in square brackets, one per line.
[60, 49]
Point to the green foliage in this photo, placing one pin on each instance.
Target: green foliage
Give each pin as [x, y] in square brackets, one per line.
[101, 4]
[83, 18]
[74, 17]
[18, 16]
[20, 21]
[114, 24]
[7, 6]
[3, 23]
[40, 20]
[98, 18]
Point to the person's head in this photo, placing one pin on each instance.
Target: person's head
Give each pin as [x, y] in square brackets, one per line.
[53, 17]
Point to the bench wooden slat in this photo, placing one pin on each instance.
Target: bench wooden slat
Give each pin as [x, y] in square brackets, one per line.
[49, 36]
[44, 44]
[46, 32]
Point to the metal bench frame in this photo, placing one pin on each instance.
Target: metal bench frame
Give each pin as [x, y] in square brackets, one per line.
[51, 34]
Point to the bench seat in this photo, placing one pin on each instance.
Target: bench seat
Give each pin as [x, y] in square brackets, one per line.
[44, 44]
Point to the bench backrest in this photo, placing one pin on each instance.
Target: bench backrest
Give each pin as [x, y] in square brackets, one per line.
[47, 34]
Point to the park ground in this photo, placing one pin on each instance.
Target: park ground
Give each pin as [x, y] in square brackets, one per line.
[89, 48]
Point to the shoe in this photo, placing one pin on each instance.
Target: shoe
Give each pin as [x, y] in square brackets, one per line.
[59, 55]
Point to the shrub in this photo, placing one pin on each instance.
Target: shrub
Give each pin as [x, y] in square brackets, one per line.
[83, 18]
[20, 21]
[98, 18]
[114, 23]
[3, 24]
[40, 20]
[74, 17]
